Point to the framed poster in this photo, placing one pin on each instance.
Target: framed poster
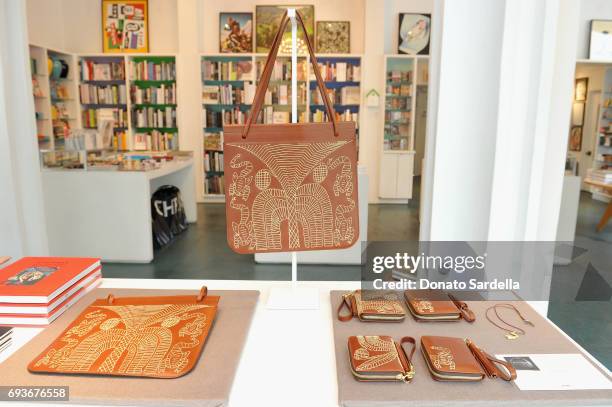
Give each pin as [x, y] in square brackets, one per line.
[575, 140]
[125, 26]
[235, 32]
[581, 89]
[333, 37]
[414, 32]
[578, 114]
[267, 19]
[601, 40]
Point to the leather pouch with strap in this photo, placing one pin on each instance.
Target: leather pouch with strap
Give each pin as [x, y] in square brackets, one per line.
[380, 358]
[436, 305]
[292, 186]
[371, 307]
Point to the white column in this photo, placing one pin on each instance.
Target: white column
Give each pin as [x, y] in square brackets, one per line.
[189, 86]
[22, 219]
[372, 78]
[467, 56]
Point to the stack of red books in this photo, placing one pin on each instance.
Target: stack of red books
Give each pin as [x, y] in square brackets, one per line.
[34, 291]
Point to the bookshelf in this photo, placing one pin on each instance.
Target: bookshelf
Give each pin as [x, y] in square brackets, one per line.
[153, 103]
[227, 93]
[54, 94]
[228, 87]
[42, 103]
[103, 95]
[398, 151]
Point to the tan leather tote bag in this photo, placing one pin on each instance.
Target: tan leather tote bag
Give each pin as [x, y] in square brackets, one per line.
[290, 187]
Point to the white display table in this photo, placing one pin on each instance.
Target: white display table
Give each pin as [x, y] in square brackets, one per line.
[107, 214]
[289, 357]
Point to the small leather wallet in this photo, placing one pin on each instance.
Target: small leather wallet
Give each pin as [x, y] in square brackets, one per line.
[460, 360]
[158, 337]
[379, 358]
[435, 305]
[372, 306]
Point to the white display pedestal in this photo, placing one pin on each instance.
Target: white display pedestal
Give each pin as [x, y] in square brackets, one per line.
[107, 214]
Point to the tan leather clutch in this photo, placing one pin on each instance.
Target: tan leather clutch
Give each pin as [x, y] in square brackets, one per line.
[457, 359]
[159, 337]
[379, 358]
[435, 305]
[372, 306]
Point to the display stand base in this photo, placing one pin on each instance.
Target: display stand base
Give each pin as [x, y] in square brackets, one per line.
[293, 298]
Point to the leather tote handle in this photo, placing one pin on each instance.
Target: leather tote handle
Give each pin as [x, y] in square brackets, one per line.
[267, 73]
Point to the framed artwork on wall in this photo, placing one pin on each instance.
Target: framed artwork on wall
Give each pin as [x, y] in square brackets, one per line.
[575, 140]
[601, 40]
[125, 26]
[578, 114]
[267, 19]
[414, 33]
[333, 37]
[581, 89]
[235, 32]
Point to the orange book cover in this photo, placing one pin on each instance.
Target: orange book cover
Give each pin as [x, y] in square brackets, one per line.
[41, 279]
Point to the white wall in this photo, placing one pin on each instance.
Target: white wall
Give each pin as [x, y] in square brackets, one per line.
[590, 10]
[351, 10]
[75, 25]
[46, 23]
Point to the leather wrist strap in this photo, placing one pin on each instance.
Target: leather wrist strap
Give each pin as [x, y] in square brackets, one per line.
[466, 312]
[269, 67]
[346, 302]
[406, 358]
[490, 364]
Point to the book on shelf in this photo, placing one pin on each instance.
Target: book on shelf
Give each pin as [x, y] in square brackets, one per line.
[399, 117]
[281, 117]
[228, 94]
[155, 141]
[92, 117]
[102, 94]
[346, 95]
[154, 117]
[319, 116]
[338, 72]
[214, 185]
[213, 141]
[121, 141]
[227, 70]
[213, 161]
[153, 71]
[154, 95]
[282, 70]
[39, 280]
[102, 71]
[280, 94]
[36, 89]
[210, 94]
[217, 118]
[404, 90]
[399, 76]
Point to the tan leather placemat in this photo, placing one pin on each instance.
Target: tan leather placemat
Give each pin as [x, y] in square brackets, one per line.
[209, 383]
[424, 391]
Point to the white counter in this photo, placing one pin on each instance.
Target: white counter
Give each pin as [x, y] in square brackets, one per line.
[107, 214]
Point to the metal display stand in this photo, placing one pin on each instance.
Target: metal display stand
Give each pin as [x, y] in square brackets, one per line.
[295, 297]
